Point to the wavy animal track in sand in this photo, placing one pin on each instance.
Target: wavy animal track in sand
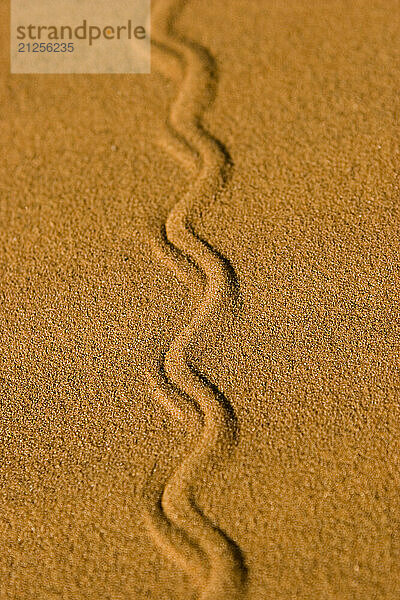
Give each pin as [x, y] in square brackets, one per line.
[177, 525]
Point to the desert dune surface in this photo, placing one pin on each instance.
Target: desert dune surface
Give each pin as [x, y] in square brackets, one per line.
[199, 312]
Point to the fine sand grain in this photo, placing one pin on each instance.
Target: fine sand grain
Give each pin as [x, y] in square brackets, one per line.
[199, 312]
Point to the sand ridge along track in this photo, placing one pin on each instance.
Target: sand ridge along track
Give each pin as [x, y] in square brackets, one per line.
[179, 528]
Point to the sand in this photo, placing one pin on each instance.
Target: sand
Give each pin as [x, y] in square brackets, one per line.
[199, 312]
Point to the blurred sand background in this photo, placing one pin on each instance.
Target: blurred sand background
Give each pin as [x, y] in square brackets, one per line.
[307, 105]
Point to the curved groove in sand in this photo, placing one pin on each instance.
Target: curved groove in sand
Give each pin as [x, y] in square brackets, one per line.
[176, 524]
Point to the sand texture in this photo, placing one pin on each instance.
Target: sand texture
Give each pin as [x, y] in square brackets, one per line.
[199, 312]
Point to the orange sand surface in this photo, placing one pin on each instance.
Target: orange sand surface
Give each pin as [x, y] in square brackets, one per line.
[199, 312]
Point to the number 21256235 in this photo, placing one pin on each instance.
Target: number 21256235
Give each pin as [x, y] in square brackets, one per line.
[43, 47]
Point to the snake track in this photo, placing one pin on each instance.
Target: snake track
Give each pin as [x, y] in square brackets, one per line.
[179, 528]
